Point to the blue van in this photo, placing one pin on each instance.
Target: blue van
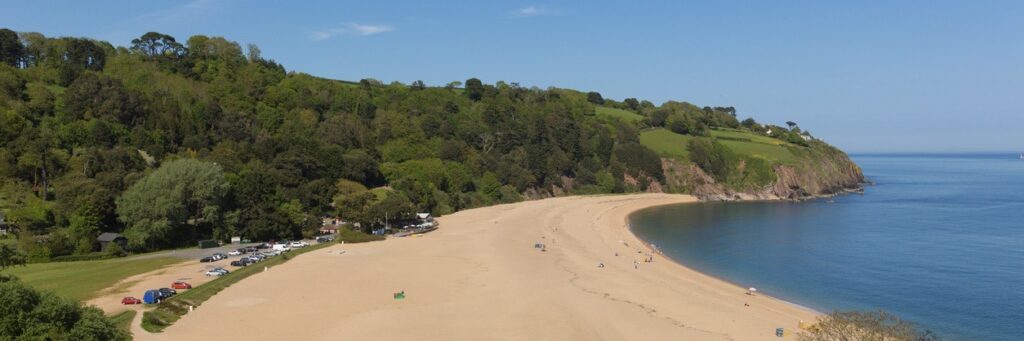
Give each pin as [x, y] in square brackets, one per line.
[152, 297]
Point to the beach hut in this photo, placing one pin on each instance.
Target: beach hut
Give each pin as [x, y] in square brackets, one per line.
[152, 297]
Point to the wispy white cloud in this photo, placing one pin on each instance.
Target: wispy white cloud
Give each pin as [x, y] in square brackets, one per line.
[179, 13]
[350, 29]
[529, 11]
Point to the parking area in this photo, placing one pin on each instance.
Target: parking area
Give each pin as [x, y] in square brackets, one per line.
[191, 271]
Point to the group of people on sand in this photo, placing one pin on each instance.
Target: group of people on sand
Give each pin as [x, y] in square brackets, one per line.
[649, 258]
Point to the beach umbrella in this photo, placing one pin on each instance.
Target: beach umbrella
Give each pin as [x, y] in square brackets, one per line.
[751, 291]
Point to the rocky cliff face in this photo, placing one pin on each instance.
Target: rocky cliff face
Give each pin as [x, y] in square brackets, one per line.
[814, 174]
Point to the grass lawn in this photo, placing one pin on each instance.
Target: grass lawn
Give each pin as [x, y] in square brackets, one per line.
[746, 143]
[123, 320]
[666, 143]
[624, 115]
[726, 133]
[82, 280]
[672, 145]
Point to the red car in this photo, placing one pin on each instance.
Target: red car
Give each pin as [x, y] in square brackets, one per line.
[181, 285]
[131, 300]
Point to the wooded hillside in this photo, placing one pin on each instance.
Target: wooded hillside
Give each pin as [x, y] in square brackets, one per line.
[170, 142]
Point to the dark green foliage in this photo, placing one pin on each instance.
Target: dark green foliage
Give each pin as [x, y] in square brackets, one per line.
[26, 314]
[474, 89]
[639, 160]
[10, 257]
[712, 157]
[595, 97]
[11, 49]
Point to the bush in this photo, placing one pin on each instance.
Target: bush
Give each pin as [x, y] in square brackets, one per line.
[31, 315]
[87, 256]
[712, 157]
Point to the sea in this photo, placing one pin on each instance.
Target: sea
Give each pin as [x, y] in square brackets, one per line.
[937, 240]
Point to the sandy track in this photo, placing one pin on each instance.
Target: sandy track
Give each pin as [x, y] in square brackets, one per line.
[480, 277]
[192, 272]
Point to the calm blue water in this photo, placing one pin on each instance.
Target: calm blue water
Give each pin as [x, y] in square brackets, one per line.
[939, 240]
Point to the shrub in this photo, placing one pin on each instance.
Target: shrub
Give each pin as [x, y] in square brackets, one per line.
[31, 315]
[712, 157]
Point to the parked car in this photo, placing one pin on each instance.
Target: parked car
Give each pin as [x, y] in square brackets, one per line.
[299, 244]
[181, 285]
[217, 272]
[282, 247]
[262, 246]
[239, 263]
[152, 296]
[168, 292]
[324, 239]
[250, 249]
[206, 260]
[131, 300]
[220, 256]
[235, 253]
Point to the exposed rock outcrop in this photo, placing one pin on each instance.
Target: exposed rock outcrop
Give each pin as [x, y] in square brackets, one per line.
[816, 174]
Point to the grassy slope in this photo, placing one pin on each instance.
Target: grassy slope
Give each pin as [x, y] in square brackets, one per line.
[669, 144]
[123, 320]
[624, 115]
[82, 280]
[666, 143]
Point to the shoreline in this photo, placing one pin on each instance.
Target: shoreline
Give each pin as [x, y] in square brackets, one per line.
[481, 275]
[655, 250]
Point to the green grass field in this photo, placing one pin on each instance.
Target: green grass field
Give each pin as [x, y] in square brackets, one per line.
[744, 135]
[624, 115]
[123, 320]
[672, 145]
[666, 143]
[746, 143]
[82, 280]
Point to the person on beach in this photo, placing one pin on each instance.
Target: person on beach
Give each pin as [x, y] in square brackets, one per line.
[636, 265]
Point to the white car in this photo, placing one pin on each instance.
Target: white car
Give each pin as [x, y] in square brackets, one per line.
[299, 244]
[234, 253]
[216, 272]
[281, 247]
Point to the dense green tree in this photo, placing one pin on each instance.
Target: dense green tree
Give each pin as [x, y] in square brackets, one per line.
[11, 49]
[595, 97]
[27, 314]
[169, 205]
[474, 89]
[711, 156]
[155, 44]
[10, 257]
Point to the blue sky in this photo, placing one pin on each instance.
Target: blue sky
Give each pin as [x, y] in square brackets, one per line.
[868, 76]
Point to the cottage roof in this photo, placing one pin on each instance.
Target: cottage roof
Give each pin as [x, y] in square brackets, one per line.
[109, 237]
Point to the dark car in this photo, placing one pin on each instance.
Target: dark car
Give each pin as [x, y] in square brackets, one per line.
[262, 246]
[239, 263]
[250, 249]
[168, 292]
[220, 255]
[206, 260]
[243, 250]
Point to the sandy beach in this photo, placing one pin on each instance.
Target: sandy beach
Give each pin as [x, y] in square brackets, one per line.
[480, 277]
